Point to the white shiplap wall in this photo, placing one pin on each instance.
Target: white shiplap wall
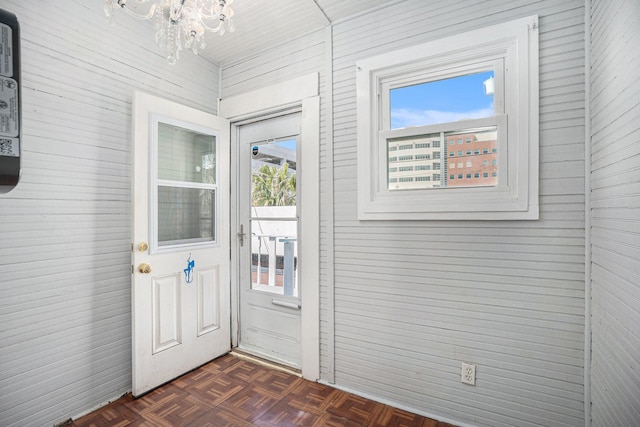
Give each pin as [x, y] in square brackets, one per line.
[65, 315]
[615, 212]
[415, 299]
[301, 56]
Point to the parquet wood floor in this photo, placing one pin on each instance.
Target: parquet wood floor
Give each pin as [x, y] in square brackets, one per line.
[231, 391]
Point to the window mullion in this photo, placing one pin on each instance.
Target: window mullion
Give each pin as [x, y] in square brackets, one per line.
[185, 184]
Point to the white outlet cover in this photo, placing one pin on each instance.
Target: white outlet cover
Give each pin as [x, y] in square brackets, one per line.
[468, 373]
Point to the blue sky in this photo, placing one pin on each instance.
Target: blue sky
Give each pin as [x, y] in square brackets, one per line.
[441, 101]
[290, 144]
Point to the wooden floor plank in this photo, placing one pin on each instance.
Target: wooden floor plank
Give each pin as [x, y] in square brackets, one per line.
[231, 391]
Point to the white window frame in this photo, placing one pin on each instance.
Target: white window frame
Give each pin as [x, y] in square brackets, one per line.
[511, 50]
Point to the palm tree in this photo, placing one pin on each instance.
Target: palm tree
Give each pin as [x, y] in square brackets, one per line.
[273, 186]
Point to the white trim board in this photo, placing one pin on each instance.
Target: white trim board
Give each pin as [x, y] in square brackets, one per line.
[270, 98]
[587, 215]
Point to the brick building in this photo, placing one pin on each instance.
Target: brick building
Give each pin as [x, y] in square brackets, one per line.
[472, 159]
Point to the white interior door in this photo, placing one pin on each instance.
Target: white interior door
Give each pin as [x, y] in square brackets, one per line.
[269, 261]
[180, 251]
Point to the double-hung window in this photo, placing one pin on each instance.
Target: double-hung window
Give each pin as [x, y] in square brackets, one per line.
[480, 87]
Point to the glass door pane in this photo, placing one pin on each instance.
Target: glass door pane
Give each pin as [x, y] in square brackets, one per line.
[274, 224]
[185, 185]
[185, 215]
[185, 155]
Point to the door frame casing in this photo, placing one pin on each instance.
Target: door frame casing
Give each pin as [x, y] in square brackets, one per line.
[301, 92]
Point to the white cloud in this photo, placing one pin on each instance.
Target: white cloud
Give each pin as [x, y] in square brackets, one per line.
[406, 117]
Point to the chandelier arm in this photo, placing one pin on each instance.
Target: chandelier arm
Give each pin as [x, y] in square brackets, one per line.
[222, 19]
[136, 15]
[133, 13]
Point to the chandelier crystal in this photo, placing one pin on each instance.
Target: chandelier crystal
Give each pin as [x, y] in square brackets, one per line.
[180, 24]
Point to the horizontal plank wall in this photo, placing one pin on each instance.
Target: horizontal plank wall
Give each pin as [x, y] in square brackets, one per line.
[65, 317]
[299, 57]
[415, 299]
[615, 212]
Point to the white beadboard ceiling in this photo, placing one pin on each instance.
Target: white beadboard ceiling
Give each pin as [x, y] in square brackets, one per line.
[261, 24]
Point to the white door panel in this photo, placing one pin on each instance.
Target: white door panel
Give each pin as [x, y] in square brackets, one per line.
[181, 298]
[209, 291]
[166, 309]
[271, 330]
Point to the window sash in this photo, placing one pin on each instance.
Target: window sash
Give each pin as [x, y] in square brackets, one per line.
[387, 83]
[500, 122]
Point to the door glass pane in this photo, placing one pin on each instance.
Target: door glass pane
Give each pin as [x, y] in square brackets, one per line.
[274, 225]
[274, 256]
[185, 215]
[273, 173]
[186, 155]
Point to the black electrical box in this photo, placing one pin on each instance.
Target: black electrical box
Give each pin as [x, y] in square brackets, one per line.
[10, 104]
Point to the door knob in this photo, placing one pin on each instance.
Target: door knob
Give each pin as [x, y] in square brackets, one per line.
[144, 268]
[142, 247]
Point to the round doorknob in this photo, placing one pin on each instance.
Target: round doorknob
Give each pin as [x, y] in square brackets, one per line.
[144, 268]
[142, 247]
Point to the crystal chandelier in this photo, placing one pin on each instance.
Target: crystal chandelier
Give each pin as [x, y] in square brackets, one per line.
[180, 24]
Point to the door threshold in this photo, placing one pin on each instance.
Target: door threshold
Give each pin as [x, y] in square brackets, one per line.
[242, 354]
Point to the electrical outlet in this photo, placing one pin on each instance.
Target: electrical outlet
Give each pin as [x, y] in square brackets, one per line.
[468, 373]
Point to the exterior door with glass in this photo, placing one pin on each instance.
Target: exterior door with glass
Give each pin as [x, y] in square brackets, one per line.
[180, 251]
[269, 294]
